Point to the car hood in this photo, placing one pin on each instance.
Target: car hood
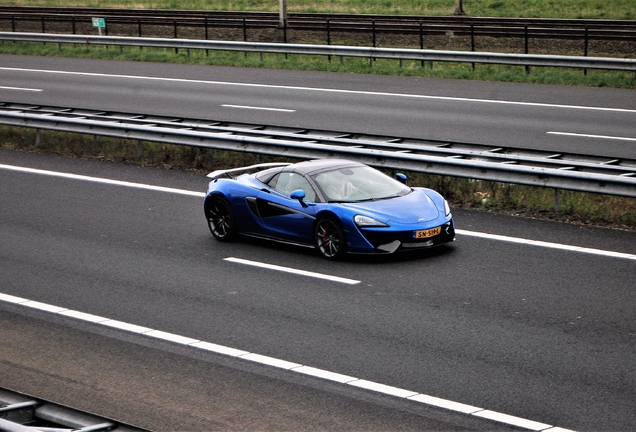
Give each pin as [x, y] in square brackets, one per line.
[415, 207]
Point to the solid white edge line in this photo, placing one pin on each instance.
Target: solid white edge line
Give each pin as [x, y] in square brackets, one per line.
[270, 361]
[286, 365]
[102, 180]
[325, 90]
[293, 271]
[591, 136]
[498, 237]
[512, 420]
[320, 373]
[383, 388]
[444, 403]
[219, 349]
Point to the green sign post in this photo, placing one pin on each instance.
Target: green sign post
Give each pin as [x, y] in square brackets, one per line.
[100, 23]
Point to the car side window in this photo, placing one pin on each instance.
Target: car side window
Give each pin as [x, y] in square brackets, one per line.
[286, 183]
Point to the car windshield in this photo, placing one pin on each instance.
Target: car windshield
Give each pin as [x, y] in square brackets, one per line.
[358, 183]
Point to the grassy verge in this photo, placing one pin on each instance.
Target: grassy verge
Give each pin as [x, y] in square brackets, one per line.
[576, 207]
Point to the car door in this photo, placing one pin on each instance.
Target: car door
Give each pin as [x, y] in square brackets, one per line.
[283, 217]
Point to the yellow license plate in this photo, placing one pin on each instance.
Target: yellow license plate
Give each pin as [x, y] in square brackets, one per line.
[428, 233]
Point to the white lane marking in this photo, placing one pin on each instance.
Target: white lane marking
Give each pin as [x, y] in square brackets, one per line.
[286, 365]
[550, 245]
[20, 89]
[293, 271]
[512, 420]
[102, 180]
[257, 108]
[519, 240]
[591, 136]
[326, 90]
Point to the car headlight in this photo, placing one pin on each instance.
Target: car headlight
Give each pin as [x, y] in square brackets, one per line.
[366, 221]
[446, 208]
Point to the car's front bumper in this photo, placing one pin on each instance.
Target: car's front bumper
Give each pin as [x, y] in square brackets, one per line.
[389, 241]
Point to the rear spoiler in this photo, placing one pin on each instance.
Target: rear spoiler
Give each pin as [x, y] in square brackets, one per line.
[234, 172]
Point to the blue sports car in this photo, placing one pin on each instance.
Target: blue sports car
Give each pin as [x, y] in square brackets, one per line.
[335, 206]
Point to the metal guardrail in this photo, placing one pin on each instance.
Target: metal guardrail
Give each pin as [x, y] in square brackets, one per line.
[22, 413]
[335, 50]
[476, 161]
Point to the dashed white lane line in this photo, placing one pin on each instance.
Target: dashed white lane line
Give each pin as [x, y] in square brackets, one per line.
[258, 108]
[549, 245]
[287, 365]
[496, 237]
[20, 89]
[293, 271]
[580, 135]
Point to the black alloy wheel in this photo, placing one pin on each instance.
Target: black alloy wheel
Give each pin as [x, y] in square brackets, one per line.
[221, 219]
[330, 239]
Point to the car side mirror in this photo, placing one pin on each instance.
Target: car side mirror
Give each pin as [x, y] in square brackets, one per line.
[298, 194]
[402, 178]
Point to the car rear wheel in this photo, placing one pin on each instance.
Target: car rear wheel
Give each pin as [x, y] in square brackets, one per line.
[330, 239]
[221, 219]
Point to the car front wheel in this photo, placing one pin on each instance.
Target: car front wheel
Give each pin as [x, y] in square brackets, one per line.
[330, 239]
[221, 219]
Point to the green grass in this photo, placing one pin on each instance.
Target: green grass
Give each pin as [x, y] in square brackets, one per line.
[592, 9]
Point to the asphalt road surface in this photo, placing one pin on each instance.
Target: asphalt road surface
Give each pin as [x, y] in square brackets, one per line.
[539, 331]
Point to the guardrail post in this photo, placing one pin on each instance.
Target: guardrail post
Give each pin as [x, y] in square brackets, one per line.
[285, 35]
[586, 46]
[38, 138]
[371, 59]
[373, 31]
[140, 149]
[526, 46]
[472, 39]
[421, 41]
[557, 199]
[328, 39]
[176, 50]
[245, 34]
[207, 52]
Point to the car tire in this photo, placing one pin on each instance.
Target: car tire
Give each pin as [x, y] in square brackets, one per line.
[330, 239]
[220, 219]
